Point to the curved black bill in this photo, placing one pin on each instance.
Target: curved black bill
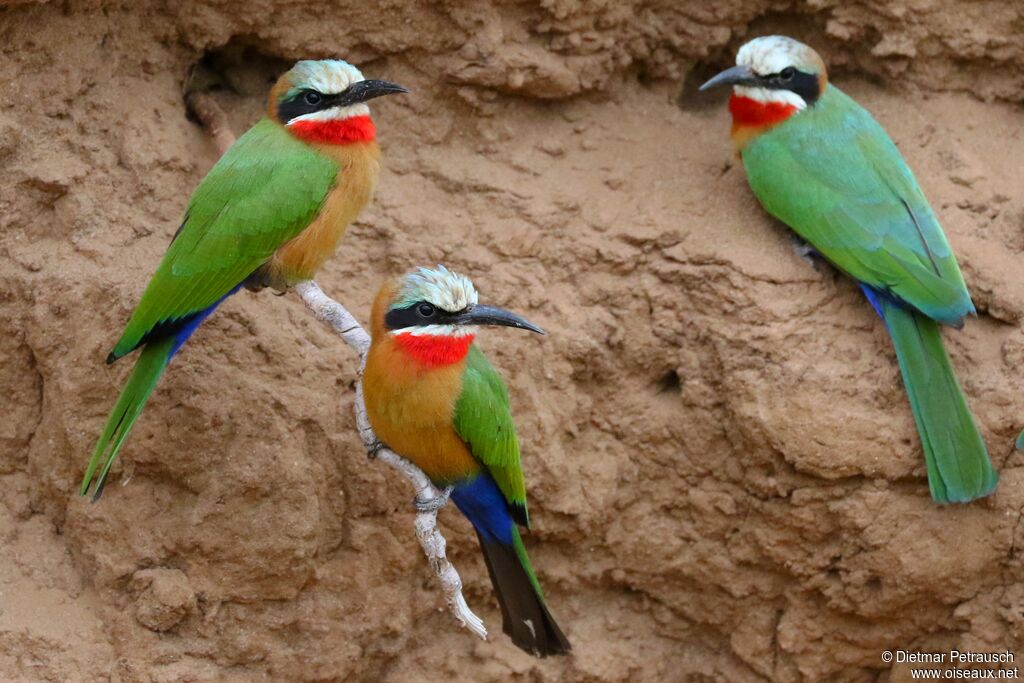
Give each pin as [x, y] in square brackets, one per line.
[736, 75]
[367, 90]
[492, 315]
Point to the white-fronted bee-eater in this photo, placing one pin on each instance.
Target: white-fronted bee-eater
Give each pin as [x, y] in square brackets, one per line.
[820, 163]
[268, 214]
[433, 398]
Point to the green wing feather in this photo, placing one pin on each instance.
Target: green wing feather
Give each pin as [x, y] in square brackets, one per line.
[836, 178]
[264, 191]
[484, 421]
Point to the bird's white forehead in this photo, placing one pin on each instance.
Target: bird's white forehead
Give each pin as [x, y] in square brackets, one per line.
[771, 54]
[443, 288]
[327, 76]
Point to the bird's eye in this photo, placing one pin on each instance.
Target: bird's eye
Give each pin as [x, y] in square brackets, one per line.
[787, 73]
[425, 310]
[313, 98]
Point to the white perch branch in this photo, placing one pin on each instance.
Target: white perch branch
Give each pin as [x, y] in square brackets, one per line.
[347, 327]
[427, 495]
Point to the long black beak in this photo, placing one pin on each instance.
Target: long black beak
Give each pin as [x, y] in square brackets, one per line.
[736, 75]
[367, 90]
[492, 315]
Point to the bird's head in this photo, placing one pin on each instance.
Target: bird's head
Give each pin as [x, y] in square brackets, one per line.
[775, 70]
[325, 101]
[434, 313]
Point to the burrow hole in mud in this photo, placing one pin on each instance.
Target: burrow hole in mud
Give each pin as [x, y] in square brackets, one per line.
[690, 97]
[238, 73]
[670, 383]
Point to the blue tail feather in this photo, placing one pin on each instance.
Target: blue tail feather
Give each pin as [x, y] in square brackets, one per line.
[874, 297]
[483, 504]
[193, 322]
[525, 617]
[162, 343]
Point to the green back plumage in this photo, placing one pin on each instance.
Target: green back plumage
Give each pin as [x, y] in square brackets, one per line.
[263, 192]
[835, 177]
[484, 421]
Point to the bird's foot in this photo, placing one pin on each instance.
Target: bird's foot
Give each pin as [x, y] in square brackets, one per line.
[805, 251]
[433, 504]
[375, 448]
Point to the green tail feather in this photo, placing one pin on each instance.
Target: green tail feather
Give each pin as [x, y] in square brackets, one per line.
[959, 469]
[524, 560]
[143, 380]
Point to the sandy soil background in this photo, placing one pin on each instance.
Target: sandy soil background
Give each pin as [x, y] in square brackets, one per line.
[724, 474]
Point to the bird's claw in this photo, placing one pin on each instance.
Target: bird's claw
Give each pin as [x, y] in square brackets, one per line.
[805, 251]
[433, 504]
[375, 448]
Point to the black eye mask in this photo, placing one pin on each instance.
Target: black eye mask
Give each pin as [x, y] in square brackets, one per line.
[310, 101]
[306, 102]
[804, 84]
[419, 314]
[424, 313]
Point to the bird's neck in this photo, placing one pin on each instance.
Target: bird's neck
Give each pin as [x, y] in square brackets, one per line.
[434, 350]
[752, 117]
[411, 353]
[346, 131]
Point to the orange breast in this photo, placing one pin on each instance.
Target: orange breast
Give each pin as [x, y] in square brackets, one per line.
[411, 406]
[741, 135]
[300, 258]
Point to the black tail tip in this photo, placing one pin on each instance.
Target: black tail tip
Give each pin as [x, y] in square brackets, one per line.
[546, 645]
[111, 357]
[526, 619]
[96, 493]
[540, 640]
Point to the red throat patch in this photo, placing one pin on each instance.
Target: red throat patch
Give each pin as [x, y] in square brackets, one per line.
[749, 112]
[335, 131]
[435, 350]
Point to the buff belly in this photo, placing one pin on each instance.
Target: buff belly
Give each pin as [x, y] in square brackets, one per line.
[300, 258]
[411, 410]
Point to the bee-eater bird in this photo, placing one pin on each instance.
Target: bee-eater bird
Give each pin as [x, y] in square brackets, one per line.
[820, 163]
[268, 214]
[433, 398]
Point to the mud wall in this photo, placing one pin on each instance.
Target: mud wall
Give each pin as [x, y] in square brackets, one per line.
[724, 475]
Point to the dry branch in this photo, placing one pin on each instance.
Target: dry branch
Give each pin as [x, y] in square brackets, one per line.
[214, 121]
[428, 498]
